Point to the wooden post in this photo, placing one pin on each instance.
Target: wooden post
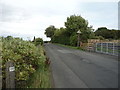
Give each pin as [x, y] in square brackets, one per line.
[10, 75]
[0, 77]
[78, 43]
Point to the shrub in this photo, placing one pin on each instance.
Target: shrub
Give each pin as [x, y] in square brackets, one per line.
[24, 54]
[38, 41]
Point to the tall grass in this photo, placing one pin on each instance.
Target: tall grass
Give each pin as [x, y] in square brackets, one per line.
[41, 78]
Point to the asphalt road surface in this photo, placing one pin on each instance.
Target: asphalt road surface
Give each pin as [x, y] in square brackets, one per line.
[79, 69]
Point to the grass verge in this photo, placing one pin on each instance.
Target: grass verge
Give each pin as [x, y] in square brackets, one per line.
[79, 48]
[41, 78]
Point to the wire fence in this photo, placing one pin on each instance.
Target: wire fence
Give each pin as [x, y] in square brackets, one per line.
[107, 48]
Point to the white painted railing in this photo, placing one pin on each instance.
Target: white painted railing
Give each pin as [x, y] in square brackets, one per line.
[107, 48]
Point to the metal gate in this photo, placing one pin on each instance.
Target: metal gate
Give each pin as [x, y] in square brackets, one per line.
[108, 48]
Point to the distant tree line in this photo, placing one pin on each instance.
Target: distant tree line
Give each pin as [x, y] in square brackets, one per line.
[37, 41]
[107, 33]
[68, 35]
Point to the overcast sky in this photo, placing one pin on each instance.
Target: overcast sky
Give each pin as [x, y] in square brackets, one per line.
[29, 18]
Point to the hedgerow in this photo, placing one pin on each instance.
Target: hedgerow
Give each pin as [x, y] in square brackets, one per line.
[25, 56]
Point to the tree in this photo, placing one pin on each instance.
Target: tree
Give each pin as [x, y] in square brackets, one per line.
[60, 36]
[75, 23]
[34, 39]
[50, 31]
[9, 37]
[107, 33]
[38, 41]
[102, 31]
[73, 40]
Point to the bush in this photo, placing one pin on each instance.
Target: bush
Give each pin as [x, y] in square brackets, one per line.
[24, 54]
[61, 39]
[38, 41]
[73, 40]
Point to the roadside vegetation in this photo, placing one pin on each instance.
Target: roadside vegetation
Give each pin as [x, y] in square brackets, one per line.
[73, 47]
[41, 78]
[68, 35]
[29, 61]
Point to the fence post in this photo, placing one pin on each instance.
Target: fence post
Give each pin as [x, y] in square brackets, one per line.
[96, 47]
[10, 74]
[113, 48]
[0, 76]
[107, 48]
[101, 47]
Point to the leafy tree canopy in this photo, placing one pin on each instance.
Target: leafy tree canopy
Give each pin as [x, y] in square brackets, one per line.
[107, 33]
[38, 41]
[75, 23]
[49, 31]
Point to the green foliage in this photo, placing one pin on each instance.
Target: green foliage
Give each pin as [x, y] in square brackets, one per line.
[25, 56]
[68, 35]
[38, 41]
[100, 37]
[41, 78]
[60, 36]
[9, 37]
[50, 31]
[75, 23]
[107, 33]
[92, 35]
[73, 40]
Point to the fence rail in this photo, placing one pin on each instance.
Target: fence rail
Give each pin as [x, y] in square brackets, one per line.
[107, 48]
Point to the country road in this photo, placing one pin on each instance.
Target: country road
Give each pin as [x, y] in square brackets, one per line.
[79, 69]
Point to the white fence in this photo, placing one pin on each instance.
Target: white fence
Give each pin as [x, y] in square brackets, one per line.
[108, 48]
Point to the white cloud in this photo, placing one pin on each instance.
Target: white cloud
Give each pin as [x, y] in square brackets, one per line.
[29, 18]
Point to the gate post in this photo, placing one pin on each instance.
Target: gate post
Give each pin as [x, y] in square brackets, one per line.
[0, 76]
[10, 74]
[96, 47]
